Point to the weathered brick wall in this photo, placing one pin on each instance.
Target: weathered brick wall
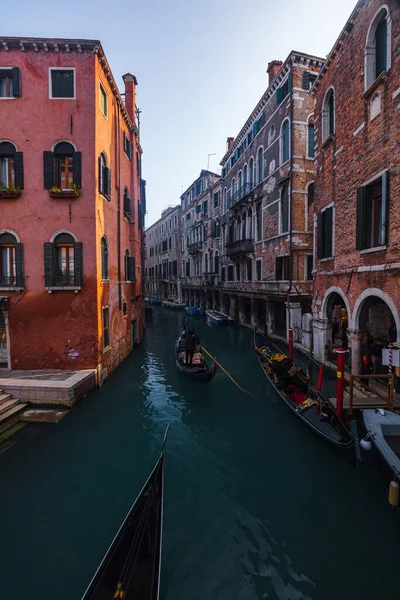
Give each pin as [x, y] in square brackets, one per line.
[360, 149]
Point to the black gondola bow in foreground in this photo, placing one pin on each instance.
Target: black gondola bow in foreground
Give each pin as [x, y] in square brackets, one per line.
[305, 400]
[131, 568]
[199, 370]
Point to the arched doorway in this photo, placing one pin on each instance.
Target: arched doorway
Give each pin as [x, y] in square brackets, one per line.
[375, 317]
[338, 318]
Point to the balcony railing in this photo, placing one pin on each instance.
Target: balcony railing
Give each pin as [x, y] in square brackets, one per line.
[195, 247]
[241, 194]
[240, 247]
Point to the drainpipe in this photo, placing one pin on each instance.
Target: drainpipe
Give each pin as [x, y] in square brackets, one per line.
[290, 194]
[119, 207]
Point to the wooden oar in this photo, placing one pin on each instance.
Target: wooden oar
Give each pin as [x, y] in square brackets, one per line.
[226, 373]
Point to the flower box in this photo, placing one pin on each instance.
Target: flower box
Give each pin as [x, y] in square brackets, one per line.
[64, 194]
[9, 194]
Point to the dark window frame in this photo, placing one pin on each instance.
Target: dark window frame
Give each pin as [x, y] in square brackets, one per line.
[63, 84]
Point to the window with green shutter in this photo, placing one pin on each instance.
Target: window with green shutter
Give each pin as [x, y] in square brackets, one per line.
[310, 145]
[331, 116]
[372, 214]
[62, 83]
[381, 47]
[325, 233]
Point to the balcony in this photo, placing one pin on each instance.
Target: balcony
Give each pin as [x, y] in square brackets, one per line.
[240, 247]
[195, 247]
[244, 193]
[211, 278]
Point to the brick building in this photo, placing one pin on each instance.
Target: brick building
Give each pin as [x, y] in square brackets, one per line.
[71, 208]
[163, 255]
[268, 204]
[357, 180]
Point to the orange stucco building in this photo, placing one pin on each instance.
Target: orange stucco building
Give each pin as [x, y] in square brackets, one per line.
[71, 208]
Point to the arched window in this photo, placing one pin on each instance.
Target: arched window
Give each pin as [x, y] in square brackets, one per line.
[377, 54]
[240, 182]
[64, 250]
[285, 141]
[233, 189]
[251, 173]
[250, 224]
[211, 262]
[224, 201]
[260, 165]
[245, 177]
[11, 170]
[104, 258]
[328, 114]
[104, 177]
[310, 137]
[62, 168]
[216, 263]
[11, 264]
[217, 228]
[130, 267]
[206, 263]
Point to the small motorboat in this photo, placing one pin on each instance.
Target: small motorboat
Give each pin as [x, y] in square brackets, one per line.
[218, 318]
[305, 401]
[155, 300]
[193, 311]
[383, 430]
[131, 567]
[173, 303]
[199, 370]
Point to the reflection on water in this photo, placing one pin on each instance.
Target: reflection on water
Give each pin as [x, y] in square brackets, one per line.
[255, 506]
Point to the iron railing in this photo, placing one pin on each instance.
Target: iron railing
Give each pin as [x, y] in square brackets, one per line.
[239, 247]
[195, 247]
[240, 194]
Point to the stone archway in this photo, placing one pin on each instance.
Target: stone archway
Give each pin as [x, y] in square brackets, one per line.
[373, 311]
[332, 294]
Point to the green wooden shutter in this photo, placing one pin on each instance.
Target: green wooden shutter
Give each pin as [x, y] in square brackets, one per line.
[100, 176]
[360, 219]
[131, 268]
[19, 265]
[16, 78]
[278, 95]
[108, 180]
[306, 80]
[384, 229]
[49, 170]
[320, 235]
[49, 264]
[381, 48]
[331, 109]
[19, 170]
[328, 230]
[77, 168]
[311, 140]
[78, 263]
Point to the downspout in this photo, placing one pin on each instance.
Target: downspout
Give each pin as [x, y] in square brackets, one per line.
[119, 208]
[290, 194]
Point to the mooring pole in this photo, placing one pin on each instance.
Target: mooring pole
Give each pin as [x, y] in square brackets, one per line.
[291, 343]
[390, 346]
[340, 382]
[320, 377]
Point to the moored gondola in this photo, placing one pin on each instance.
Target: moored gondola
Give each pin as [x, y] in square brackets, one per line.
[132, 565]
[199, 370]
[305, 401]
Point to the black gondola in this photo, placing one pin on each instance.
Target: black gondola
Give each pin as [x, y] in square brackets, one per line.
[305, 400]
[199, 370]
[131, 568]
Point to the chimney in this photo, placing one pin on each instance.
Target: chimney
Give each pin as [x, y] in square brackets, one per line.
[273, 70]
[130, 82]
[229, 143]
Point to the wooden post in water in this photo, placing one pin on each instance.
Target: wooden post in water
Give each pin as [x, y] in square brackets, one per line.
[290, 343]
[340, 383]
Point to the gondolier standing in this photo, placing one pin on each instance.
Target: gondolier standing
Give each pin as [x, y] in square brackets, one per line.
[191, 340]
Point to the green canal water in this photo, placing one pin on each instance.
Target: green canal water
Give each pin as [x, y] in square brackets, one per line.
[255, 506]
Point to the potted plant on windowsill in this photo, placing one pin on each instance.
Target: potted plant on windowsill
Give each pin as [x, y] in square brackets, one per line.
[10, 192]
[73, 192]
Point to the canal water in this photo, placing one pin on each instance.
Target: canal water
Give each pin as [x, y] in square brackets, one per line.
[255, 506]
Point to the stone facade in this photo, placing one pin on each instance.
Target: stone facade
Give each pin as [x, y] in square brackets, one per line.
[71, 235]
[357, 181]
[163, 255]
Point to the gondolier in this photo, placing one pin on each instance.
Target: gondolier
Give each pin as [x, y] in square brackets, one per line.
[191, 341]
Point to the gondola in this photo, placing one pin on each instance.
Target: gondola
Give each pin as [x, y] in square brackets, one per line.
[199, 370]
[131, 567]
[304, 400]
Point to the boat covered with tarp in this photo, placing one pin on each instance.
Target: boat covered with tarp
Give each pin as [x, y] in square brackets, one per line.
[383, 430]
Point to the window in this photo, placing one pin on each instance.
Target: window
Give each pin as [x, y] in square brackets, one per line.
[10, 82]
[260, 165]
[259, 221]
[237, 271]
[216, 199]
[328, 114]
[104, 177]
[217, 228]
[63, 262]
[258, 269]
[206, 263]
[249, 270]
[225, 202]
[104, 258]
[222, 273]
[62, 83]
[310, 140]
[103, 101]
[251, 173]
[124, 309]
[308, 80]
[325, 233]
[309, 267]
[283, 91]
[282, 268]
[62, 167]
[285, 142]
[127, 146]
[127, 205]
[216, 263]
[377, 53]
[284, 210]
[106, 327]
[257, 126]
[11, 167]
[11, 261]
[170, 243]
[130, 267]
[271, 135]
[372, 214]
[230, 272]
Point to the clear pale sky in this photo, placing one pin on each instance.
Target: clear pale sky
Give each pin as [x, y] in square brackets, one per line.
[201, 66]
